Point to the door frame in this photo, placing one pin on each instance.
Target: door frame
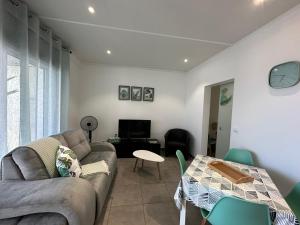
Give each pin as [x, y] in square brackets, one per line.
[206, 111]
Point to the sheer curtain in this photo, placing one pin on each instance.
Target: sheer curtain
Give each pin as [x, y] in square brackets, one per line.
[34, 78]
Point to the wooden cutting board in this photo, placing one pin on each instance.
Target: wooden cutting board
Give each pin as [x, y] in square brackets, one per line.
[230, 172]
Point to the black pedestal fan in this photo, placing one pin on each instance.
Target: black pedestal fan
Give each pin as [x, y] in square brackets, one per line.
[89, 124]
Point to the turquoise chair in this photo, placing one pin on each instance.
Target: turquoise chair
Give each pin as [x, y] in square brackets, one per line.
[242, 156]
[293, 199]
[183, 167]
[182, 162]
[235, 211]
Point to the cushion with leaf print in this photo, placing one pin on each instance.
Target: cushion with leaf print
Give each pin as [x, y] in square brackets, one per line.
[67, 163]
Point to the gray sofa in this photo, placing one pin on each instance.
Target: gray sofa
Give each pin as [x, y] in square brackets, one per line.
[29, 195]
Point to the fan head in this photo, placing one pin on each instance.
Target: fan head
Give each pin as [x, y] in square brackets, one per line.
[89, 123]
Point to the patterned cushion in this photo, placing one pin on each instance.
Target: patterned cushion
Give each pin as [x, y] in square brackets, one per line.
[67, 163]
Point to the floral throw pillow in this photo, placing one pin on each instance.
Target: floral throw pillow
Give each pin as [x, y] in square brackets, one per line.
[67, 163]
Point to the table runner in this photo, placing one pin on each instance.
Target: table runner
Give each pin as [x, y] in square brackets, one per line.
[205, 187]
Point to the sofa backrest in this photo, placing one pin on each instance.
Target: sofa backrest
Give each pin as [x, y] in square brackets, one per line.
[77, 141]
[23, 163]
[9, 169]
[27, 163]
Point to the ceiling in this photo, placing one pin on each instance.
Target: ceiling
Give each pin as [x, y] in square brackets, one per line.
[155, 33]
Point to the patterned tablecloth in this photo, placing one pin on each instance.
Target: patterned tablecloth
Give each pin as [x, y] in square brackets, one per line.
[205, 187]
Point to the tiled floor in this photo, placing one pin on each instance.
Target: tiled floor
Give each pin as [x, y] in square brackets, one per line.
[140, 198]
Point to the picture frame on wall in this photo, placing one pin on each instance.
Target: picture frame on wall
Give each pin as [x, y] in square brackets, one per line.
[136, 93]
[124, 92]
[148, 94]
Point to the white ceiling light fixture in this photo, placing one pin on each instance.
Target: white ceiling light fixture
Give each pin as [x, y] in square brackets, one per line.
[258, 2]
[91, 9]
[185, 60]
[108, 52]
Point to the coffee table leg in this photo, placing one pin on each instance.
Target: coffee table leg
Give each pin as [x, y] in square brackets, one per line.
[136, 161]
[158, 171]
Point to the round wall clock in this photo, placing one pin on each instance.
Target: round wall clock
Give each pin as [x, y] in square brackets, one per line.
[285, 75]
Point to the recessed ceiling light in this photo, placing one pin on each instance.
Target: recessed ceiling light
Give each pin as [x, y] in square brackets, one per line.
[185, 60]
[91, 9]
[258, 2]
[108, 52]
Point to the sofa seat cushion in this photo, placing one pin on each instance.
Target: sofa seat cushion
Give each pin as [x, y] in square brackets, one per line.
[77, 141]
[108, 156]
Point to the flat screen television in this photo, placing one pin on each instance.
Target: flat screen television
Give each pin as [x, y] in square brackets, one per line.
[134, 128]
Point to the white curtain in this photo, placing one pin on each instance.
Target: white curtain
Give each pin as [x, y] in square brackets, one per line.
[34, 78]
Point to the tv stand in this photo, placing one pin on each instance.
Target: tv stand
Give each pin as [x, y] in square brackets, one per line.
[126, 146]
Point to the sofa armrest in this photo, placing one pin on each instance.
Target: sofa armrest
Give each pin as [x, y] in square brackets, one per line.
[74, 198]
[102, 146]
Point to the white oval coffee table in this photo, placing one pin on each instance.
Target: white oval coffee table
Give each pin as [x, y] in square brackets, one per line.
[148, 156]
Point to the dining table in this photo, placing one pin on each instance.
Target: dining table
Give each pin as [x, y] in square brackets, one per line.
[204, 187]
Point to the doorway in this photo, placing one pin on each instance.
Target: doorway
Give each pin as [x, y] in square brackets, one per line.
[220, 114]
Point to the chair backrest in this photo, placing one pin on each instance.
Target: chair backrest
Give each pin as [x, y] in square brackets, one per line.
[235, 211]
[182, 162]
[177, 134]
[240, 156]
[293, 199]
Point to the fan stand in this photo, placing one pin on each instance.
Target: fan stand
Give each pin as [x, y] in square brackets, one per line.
[90, 132]
[90, 136]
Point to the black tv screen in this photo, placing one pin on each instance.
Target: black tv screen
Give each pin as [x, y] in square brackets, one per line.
[134, 128]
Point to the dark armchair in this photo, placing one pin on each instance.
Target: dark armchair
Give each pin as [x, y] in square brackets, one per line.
[177, 139]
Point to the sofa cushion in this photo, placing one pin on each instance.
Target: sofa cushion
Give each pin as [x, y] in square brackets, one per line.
[67, 163]
[61, 139]
[77, 141]
[46, 148]
[9, 169]
[109, 157]
[30, 164]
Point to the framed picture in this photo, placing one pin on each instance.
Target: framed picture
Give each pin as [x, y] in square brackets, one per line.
[148, 94]
[124, 92]
[136, 93]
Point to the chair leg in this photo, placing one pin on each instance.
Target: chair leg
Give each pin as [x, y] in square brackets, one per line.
[203, 222]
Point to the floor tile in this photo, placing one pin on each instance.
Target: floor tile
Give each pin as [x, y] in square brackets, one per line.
[193, 215]
[171, 187]
[124, 215]
[126, 176]
[140, 198]
[148, 175]
[126, 195]
[161, 214]
[171, 174]
[155, 193]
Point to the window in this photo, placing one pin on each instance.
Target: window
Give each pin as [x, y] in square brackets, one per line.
[13, 101]
[34, 70]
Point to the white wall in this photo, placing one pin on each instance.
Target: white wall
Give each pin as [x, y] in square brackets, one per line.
[75, 74]
[267, 121]
[98, 96]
